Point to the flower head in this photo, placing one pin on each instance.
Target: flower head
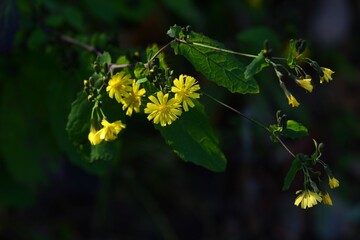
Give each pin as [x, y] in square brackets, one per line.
[94, 136]
[307, 198]
[185, 88]
[333, 182]
[292, 100]
[110, 131]
[327, 75]
[132, 99]
[305, 83]
[118, 85]
[162, 109]
[326, 198]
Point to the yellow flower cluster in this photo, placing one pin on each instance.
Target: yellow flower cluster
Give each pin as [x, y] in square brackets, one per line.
[165, 110]
[162, 109]
[307, 85]
[308, 199]
[126, 91]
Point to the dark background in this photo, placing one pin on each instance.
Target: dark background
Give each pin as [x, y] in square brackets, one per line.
[48, 192]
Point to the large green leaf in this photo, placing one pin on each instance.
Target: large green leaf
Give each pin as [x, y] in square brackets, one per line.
[192, 139]
[220, 67]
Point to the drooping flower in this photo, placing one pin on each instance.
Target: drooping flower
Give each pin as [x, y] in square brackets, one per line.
[110, 131]
[326, 198]
[307, 198]
[333, 182]
[118, 85]
[162, 109]
[94, 136]
[185, 88]
[132, 99]
[327, 75]
[305, 83]
[292, 100]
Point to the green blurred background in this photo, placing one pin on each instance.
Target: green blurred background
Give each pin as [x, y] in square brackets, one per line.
[48, 192]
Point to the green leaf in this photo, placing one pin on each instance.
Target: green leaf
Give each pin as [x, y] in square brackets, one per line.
[78, 124]
[103, 59]
[174, 31]
[294, 130]
[220, 67]
[256, 65]
[295, 167]
[292, 53]
[192, 139]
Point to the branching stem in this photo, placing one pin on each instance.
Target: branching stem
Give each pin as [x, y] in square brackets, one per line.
[253, 121]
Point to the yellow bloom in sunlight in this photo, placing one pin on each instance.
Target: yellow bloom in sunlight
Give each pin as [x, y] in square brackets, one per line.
[185, 88]
[110, 131]
[118, 85]
[132, 100]
[307, 198]
[292, 100]
[326, 199]
[162, 110]
[94, 136]
[333, 182]
[327, 75]
[305, 83]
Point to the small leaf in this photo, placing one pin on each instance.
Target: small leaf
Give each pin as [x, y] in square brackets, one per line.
[220, 67]
[174, 31]
[292, 53]
[141, 80]
[192, 139]
[103, 59]
[256, 65]
[295, 167]
[294, 130]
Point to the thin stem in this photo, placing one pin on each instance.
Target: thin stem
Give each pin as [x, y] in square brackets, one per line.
[223, 50]
[157, 54]
[253, 121]
[80, 44]
[115, 66]
[216, 48]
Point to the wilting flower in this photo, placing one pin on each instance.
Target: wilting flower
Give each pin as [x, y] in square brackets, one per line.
[333, 182]
[305, 83]
[326, 198]
[327, 75]
[94, 136]
[185, 88]
[162, 109]
[292, 100]
[110, 131]
[132, 99]
[118, 85]
[307, 198]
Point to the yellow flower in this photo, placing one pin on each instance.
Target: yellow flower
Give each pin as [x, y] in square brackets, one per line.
[94, 136]
[132, 100]
[119, 85]
[307, 198]
[163, 110]
[110, 131]
[185, 89]
[292, 100]
[333, 182]
[305, 83]
[326, 198]
[327, 75]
